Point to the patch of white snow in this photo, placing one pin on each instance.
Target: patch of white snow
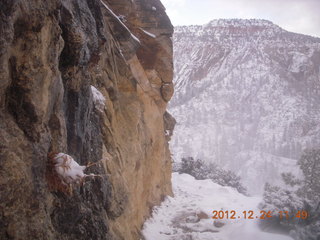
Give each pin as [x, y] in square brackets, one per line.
[68, 169]
[98, 99]
[148, 33]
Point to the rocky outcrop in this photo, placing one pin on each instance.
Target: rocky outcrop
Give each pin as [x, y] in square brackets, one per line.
[52, 53]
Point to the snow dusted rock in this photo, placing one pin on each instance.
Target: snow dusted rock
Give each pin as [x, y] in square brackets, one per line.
[245, 91]
[64, 174]
[169, 124]
[219, 223]
[167, 91]
[98, 98]
[68, 169]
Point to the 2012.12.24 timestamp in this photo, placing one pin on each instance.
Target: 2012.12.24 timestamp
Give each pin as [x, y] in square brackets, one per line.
[302, 214]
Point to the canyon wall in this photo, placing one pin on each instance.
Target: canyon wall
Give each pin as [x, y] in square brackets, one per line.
[247, 97]
[92, 79]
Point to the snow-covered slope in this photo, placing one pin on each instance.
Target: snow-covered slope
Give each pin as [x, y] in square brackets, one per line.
[245, 86]
[188, 214]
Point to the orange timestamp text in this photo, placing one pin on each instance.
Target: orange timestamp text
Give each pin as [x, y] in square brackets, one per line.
[258, 215]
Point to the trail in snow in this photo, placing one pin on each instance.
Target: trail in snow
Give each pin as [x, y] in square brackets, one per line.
[188, 214]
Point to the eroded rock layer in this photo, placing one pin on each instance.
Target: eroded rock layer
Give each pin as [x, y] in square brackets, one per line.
[51, 54]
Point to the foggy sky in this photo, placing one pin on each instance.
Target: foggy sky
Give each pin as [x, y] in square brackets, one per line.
[300, 16]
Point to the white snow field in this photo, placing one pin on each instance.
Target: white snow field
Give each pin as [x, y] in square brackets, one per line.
[188, 215]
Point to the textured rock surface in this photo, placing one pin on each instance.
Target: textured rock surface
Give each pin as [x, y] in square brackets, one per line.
[50, 55]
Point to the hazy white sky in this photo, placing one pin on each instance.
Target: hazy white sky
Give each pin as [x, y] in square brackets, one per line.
[301, 16]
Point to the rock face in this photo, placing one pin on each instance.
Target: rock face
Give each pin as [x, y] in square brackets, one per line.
[51, 54]
[247, 96]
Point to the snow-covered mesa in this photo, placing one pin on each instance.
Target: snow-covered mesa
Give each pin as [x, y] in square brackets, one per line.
[247, 96]
[188, 215]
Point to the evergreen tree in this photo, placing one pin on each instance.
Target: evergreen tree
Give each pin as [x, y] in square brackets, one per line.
[310, 165]
[300, 195]
[201, 170]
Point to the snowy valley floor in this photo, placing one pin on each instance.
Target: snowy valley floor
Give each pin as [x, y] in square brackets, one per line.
[187, 216]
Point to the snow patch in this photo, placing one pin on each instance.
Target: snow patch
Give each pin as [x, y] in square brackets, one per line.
[68, 169]
[148, 33]
[98, 99]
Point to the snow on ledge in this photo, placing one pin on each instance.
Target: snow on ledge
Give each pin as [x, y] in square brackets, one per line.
[98, 99]
[68, 169]
[118, 19]
[148, 33]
